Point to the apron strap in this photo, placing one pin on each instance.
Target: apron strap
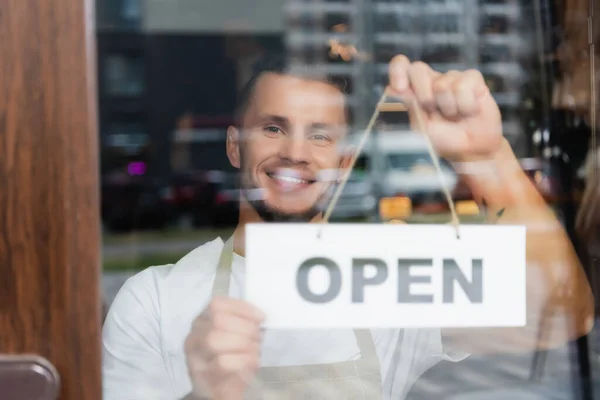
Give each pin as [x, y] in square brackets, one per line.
[364, 339]
[222, 277]
[365, 343]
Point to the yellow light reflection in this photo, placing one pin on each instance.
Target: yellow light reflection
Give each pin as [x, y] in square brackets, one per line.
[467, 208]
[395, 207]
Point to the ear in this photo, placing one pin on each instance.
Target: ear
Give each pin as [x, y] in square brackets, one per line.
[233, 146]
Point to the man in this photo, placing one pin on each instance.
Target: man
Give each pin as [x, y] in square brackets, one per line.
[184, 330]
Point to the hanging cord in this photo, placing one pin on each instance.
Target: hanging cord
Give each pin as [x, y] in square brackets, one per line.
[381, 106]
[436, 161]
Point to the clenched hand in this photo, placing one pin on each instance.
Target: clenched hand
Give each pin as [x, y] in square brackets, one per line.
[223, 349]
[460, 115]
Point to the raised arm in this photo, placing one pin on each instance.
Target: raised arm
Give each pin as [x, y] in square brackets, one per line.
[464, 124]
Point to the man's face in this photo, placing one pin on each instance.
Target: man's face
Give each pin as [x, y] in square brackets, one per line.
[289, 146]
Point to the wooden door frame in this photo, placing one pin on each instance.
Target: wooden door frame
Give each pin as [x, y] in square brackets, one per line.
[50, 233]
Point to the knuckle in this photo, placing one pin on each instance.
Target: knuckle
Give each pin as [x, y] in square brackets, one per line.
[441, 85]
[418, 65]
[218, 321]
[400, 59]
[197, 368]
[211, 341]
[460, 85]
[224, 364]
[472, 72]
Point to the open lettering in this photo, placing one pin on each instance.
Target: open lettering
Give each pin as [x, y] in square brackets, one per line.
[452, 273]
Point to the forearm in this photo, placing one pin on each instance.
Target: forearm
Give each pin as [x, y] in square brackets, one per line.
[500, 183]
[553, 268]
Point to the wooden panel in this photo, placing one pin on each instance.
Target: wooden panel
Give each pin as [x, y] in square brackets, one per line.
[49, 197]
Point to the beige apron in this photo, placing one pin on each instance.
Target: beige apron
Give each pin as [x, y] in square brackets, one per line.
[349, 380]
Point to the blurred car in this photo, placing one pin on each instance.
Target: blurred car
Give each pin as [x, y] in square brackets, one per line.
[224, 209]
[193, 193]
[357, 200]
[134, 202]
[403, 177]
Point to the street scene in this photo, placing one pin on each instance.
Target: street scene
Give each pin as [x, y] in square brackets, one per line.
[168, 185]
[299, 199]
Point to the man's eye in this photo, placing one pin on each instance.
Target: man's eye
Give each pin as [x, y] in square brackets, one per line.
[272, 129]
[320, 137]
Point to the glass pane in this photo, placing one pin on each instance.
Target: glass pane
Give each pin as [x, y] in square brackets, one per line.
[124, 75]
[197, 142]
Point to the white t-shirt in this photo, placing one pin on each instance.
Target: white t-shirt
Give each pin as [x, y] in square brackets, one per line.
[151, 316]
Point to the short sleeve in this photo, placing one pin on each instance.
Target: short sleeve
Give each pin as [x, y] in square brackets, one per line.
[133, 364]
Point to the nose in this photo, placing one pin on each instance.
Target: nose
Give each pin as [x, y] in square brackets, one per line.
[294, 149]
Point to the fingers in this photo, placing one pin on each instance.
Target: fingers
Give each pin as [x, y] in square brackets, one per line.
[453, 94]
[221, 329]
[421, 78]
[240, 308]
[468, 89]
[237, 325]
[220, 342]
[223, 347]
[398, 73]
[445, 98]
[228, 364]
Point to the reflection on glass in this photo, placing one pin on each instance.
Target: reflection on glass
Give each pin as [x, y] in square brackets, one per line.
[168, 98]
[124, 75]
[414, 162]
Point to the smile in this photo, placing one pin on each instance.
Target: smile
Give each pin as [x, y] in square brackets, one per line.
[289, 181]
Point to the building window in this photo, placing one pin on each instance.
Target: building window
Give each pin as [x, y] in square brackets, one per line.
[504, 2]
[394, 1]
[338, 22]
[494, 24]
[396, 23]
[442, 54]
[496, 83]
[131, 11]
[304, 22]
[385, 52]
[494, 53]
[127, 136]
[124, 75]
[443, 23]
[119, 13]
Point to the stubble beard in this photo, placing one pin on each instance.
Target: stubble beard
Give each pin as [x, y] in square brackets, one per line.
[270, 214]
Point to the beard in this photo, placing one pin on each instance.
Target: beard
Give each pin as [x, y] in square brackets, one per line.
[269, 213]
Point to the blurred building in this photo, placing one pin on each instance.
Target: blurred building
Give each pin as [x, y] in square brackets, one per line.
[160, 62]
[355, 39]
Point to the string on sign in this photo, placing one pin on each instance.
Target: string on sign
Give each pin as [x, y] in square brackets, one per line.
[382, 106]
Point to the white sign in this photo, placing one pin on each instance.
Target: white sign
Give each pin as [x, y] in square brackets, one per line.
[386, 276]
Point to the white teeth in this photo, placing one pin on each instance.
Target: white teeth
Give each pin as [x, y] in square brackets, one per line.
[290, 179]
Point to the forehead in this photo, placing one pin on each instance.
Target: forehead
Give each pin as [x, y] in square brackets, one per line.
[299, 99]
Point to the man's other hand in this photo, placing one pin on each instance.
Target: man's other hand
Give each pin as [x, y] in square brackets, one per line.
[223, 349]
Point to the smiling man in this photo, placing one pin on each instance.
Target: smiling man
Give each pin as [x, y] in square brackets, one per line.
[185, 331]
[311, 116]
